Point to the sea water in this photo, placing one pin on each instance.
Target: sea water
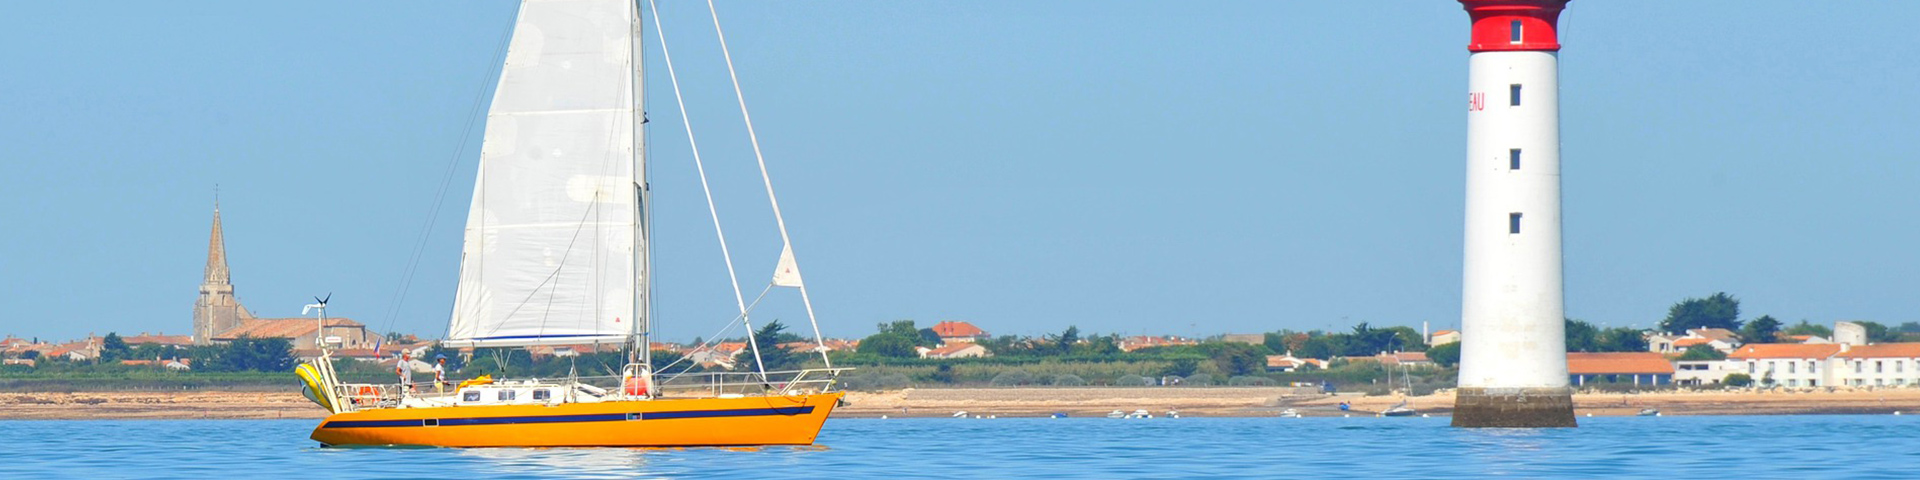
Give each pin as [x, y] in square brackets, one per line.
[1743, 447]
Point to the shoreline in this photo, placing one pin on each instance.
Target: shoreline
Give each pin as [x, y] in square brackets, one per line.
[1015, 402]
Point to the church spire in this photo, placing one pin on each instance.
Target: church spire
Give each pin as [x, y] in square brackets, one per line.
[217, 273]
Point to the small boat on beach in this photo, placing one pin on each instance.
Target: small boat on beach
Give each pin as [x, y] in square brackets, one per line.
[1289, 413]
[1648, 412]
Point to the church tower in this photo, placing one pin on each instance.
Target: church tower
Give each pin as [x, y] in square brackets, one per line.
[217, 310]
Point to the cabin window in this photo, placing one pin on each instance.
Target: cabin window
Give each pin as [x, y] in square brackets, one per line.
[1514, 32]
[541, 394]
[1513, 223]
[504, 395]
[1513, 95]
[470, 396]
[1513, 160]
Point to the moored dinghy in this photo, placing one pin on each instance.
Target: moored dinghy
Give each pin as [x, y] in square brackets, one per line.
[557, 252]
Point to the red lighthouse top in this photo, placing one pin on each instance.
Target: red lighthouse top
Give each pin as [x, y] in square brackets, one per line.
[1508, 25]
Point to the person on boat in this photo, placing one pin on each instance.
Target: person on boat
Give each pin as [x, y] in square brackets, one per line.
[439, 373]
[405, 370]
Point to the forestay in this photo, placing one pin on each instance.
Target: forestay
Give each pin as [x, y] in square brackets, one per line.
[552, 248]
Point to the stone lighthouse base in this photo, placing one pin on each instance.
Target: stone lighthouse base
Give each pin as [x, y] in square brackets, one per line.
[1477, 407]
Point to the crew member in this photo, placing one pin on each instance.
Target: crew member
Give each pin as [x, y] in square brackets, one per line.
[405, 370]
[439, 373]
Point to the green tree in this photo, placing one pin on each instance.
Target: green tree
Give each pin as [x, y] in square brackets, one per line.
[1406, 339]
[1909, 327]
[888, 344]
[1716, 311]
[1582, 336]
[114, 348]
[1622, 339]
[1804, 328]
[1703, 352]
[773, 357]
[1445, 354]
[1761, 330]
[906, 329]
[1738, 380]
[1180, 367]
[1063, 343]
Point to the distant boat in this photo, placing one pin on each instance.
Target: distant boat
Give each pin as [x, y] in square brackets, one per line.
[1649, 412]
[1399, 410]
[1117, 414]
[1058, 415]
[1173, 414]
[1289, 413]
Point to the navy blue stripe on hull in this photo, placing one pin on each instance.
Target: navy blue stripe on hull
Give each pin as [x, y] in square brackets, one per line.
[600, 417]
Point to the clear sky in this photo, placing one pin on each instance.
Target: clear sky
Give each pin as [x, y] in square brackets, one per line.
[1126, 166]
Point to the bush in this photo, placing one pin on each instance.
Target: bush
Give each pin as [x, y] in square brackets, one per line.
[1133, 381]
[1012, 378]
[1250, 381]
[1069, 380]
[1197, 380]
[1738, 380]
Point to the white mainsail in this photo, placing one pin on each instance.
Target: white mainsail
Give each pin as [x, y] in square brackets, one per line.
[553, 252]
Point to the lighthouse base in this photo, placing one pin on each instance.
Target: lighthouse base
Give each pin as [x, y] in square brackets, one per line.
[1546, 407]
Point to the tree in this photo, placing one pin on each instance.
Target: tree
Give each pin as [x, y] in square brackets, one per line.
[1366, 340]
[1738, 380]
[1716, 311]
[1703, 352]
[1582, 336]
[1909, 327]
[114, 348]
[1804, 328]
[1063, 343]
[1180, 367]
[772, 356]
[888, 344]
[1445, 354]
[1406, 339]
[1622, 339]
[1761, 330]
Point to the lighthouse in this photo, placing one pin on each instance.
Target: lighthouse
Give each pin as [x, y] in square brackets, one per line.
[1513, 359]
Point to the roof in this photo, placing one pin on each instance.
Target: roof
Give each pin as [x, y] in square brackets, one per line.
[1688, 342]
[952, 348]
[1784, 350]
[1883, 350]
[280, 327]
[1444, 332]
[951, 329]
[1618, 363]
[1720, 334]
[159, 339]
[1410, 357]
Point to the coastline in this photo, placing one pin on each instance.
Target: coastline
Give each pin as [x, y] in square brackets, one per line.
[1013, 402]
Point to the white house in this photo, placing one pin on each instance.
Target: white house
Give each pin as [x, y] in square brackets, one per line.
[1886, 364]
[1785, 364]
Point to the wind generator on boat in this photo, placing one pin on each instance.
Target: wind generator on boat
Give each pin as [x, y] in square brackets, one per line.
[557, 251]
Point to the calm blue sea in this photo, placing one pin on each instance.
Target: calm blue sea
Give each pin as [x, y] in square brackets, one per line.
[1631, 447]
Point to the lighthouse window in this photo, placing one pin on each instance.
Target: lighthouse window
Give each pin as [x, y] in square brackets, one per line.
[1513, 222]
[1513, 95]
[1513, 33]
[1513, 159]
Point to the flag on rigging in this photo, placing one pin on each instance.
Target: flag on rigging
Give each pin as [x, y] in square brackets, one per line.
[787, 273]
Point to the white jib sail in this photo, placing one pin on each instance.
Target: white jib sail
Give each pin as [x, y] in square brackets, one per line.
[787, 272]
[550, 250]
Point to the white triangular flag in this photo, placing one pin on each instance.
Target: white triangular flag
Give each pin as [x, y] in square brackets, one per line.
[787, 273]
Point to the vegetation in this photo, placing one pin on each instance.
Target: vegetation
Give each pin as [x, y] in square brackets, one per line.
[1804, 328]
[1761, 330]
[1584, 337]
[1738, 380]
[1716, 311]
[1445, 355]
[1703, 352]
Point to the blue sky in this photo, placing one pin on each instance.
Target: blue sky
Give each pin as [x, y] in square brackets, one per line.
[1138, 167]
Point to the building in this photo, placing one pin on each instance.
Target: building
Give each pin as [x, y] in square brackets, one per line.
[1703, 372]
[956, 331]
[159, 339]
[1785, 364]
[1880, 365]
[218, 316]
[1444, 337]
[957, 350]
[1718, 338]
[1290, 363]
[1144, 341]
[1514, 371]
[1636, 368]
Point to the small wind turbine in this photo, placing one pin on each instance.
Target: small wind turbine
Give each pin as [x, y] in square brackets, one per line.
[320, 320]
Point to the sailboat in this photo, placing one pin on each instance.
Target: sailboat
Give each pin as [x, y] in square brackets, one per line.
[557, 252]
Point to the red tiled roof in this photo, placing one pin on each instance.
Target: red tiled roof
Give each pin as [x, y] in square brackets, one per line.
[281, 327]
[950, 349]
[951, 329]
[1688, 342]
[1617, 363]
[1883, 350]
[160, 339]
[1411, 357]
[1785, 350]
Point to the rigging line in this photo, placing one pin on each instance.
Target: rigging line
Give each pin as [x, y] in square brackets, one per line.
[440, 195]
[564, 255]
[722, 333]
[733, 280]
[765, 179]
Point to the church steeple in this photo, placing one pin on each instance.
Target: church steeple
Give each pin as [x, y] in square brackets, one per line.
[217, 273]
[217, 311]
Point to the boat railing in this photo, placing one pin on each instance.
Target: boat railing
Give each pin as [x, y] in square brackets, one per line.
[357, 396]
[790, 382]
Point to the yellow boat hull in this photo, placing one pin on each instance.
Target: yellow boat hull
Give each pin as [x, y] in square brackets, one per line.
[745, 421]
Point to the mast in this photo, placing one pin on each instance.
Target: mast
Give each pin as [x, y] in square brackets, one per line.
[643, 227]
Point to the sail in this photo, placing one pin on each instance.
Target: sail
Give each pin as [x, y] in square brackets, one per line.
[552, 248]
[787, 272]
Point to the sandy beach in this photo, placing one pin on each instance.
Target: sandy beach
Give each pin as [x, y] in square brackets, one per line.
[1016, 402]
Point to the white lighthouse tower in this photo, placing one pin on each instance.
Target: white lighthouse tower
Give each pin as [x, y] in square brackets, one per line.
[1513, 362]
